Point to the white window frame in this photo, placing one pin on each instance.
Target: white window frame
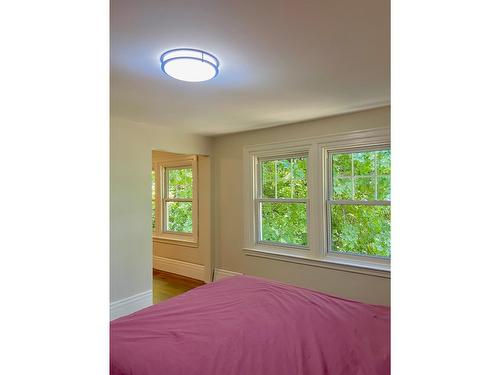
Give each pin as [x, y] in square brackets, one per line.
[382, 262]
[317, 150]
[259, 199]
[161, 173]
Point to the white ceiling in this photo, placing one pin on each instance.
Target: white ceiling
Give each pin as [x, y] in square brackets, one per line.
[282, 61]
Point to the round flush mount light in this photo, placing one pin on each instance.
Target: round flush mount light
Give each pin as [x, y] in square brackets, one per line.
[188, 64]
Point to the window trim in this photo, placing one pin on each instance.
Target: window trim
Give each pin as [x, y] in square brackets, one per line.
[333, 147]
[317, 149]
[251, 176]
[171, 237]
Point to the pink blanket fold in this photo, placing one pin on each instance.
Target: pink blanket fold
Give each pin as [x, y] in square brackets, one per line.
[249, 326]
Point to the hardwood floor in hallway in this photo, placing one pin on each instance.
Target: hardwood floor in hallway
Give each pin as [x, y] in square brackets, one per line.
[167, 285]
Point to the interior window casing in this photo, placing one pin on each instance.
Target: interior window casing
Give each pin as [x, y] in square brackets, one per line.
[162, 234]
[318, 251]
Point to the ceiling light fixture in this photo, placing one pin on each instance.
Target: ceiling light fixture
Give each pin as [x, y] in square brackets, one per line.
[188, 64]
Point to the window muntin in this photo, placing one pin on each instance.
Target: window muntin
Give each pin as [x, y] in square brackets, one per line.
[284, 178]
[282, 203]
[358, 205]
[178, 200]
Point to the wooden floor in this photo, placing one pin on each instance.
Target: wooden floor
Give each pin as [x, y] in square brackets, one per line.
[167, 285]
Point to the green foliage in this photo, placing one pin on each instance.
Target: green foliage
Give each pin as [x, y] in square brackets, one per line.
[285, 178]
[342, 188]
[361, 229]
[284, 223]
[342, 165]
[180, 217]
[363, 163]
[364, 189]
[180, 183]
[384, 188]
[384, 162]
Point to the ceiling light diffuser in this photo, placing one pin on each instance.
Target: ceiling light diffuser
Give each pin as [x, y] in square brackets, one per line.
[188, 64]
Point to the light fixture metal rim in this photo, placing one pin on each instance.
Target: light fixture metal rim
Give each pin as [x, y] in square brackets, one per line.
[164, 62]
[193, 50]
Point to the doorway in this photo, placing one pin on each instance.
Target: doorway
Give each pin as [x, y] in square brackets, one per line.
[180, 209]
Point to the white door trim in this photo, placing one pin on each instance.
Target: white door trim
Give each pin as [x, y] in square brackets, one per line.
[192, 270]
[221, 273]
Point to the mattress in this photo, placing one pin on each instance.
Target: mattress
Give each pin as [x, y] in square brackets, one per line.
[248, 326]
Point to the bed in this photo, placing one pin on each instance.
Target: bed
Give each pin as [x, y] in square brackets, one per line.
[249, 326]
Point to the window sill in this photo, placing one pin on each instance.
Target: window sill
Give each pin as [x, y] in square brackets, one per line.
[360, 267]
[177, 241]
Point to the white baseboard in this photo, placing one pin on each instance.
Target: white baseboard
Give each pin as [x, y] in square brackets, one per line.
[131, 304]
[192, 270]
[220, 274]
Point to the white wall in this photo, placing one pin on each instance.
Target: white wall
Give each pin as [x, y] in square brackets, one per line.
[130, 201]
[228, 206]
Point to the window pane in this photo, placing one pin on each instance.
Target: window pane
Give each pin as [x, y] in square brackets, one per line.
[364, 163]
[284, 178]
[180, 183]
[284, 171]
[179, 217]
[284, 223]
[342, 188]
[364, 188]
[361, 229]
[384, 188]
[384, 162]
[299, 185]
[341, 165]
[268, 169]
[370, 176]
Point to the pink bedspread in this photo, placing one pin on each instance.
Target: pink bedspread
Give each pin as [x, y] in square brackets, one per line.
[250, 326]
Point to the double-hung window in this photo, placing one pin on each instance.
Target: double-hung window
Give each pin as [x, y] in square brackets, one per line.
[282, 203]
[176, 202]
[359, 202]
[322, 201]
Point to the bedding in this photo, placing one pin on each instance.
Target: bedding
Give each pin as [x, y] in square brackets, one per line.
[249, 326]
